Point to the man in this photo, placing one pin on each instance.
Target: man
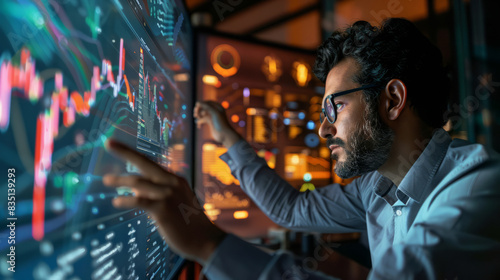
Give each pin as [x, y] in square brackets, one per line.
[428, 203]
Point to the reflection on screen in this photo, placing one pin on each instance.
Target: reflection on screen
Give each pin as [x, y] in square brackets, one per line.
[74, 73]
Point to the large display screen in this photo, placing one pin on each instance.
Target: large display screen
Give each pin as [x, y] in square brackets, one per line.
[74, 73]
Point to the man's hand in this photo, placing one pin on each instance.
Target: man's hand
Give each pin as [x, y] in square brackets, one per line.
[171, 203]
[214, 115]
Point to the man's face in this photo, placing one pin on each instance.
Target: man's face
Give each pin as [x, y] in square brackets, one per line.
[359, 140]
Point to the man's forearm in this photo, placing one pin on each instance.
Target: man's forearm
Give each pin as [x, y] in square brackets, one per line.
[287, 206]
[231, 138]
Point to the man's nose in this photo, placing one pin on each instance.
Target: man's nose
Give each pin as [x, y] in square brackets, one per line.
[327, 129]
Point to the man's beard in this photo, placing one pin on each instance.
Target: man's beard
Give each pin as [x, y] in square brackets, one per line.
[367, 148]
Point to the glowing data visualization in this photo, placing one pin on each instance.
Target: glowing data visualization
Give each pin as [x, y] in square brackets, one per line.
[74, 73]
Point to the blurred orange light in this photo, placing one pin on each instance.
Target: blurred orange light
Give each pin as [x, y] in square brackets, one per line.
[271, 68]
[225, 104]
[210, 80]
[235, 118]
[302, 74]
[223, 69]
[251, 111]
[208, 206]
[210, 147]
[277, 100]
[324, 152]
[239, 215]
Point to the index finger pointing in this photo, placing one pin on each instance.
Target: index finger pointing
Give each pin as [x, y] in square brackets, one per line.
[148, 168]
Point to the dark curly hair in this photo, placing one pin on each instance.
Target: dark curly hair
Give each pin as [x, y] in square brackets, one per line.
[396, 50]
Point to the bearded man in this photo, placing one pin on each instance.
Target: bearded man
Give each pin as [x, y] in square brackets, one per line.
[429, 204]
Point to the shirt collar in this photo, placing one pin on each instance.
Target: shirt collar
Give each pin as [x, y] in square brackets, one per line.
[386, 190]
[417, 182]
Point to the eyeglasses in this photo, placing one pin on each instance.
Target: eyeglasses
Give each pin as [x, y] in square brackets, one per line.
[329, 109]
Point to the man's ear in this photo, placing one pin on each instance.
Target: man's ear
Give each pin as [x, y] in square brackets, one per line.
[394, 99]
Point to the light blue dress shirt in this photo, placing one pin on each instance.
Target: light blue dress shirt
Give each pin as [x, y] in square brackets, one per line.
[442, 222]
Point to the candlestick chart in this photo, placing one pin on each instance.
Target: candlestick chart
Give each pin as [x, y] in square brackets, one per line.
[72, 75]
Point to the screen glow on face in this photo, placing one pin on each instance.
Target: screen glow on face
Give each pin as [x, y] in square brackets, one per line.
[330, 111]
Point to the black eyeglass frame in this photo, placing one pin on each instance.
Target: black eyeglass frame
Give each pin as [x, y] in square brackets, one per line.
[334, 108]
